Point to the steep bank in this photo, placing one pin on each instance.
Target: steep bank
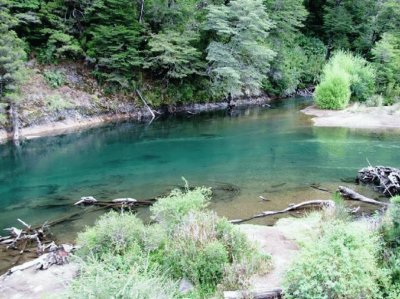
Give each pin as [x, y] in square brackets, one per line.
[357, 117]
[63, 98]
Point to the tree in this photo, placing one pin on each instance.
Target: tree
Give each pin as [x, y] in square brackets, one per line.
[112, 38]
[386, 55]
[12, 68]
[171, 53]
[348, 25]
[239, 55]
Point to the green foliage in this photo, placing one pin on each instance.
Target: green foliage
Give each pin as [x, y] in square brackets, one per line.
[113, 233]
[386, 54]
[120, 254]
[239, 55]
[54, 78]
[362, 74]
[57, 103]
[169, 210]
[105, 280]
[172, 53]
[334, 90]
[12, 56]
[341, 263]
[345, 76]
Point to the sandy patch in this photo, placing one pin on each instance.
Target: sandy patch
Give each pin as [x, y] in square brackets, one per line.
[357, 116]
[282, 250]
[34, 284]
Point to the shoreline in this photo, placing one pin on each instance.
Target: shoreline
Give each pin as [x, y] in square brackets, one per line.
[357, 117]
[83, 122]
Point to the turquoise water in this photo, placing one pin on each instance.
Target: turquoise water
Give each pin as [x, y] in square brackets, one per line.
[274, 152]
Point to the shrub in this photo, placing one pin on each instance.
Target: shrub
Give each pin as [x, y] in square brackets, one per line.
[345, 76]
[54, 78]
[334, 91]
[168, 211]
[113, 233]
[342, 263]
[57, 103]
[188, 242]
[362, 74]
[104, 280]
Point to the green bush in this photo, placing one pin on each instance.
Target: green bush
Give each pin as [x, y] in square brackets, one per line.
[345, 76]
[187, 242]
[113, 233]
[168, 211]
[54, 78]
[362, 74]
[342, 263]
[334, 91]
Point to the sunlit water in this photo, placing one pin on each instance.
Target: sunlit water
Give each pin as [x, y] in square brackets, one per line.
[276, 153]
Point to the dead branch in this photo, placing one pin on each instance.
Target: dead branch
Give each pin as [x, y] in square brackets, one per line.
[290, 208]
[256, 294]
[348, 193]
[385, 180]
[153, 116]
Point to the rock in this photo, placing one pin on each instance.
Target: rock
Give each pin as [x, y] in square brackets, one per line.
[185, 286]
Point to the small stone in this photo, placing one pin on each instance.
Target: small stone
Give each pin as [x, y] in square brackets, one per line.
[185, 286]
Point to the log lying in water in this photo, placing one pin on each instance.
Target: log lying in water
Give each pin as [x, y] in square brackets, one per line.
[256, 294]
[386, 180]
[293, 207]
[348, 193]
[115, 203]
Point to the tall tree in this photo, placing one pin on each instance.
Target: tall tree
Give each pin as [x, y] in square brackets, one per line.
[112, 39]
[12, 68]
[239, 55]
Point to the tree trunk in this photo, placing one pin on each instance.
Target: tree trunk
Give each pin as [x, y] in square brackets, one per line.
[14, 123]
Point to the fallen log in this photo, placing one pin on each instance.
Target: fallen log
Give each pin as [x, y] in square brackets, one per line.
[293, 207]
[256, 294]
[348, 193]
[118, 202]
[385, 180]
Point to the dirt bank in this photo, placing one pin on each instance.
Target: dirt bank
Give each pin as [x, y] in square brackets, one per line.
[357, 116]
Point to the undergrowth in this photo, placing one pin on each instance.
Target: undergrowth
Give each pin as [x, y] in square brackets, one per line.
[121, 257]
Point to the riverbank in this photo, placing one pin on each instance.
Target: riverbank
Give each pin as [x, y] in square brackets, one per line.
[357, 117]
[78, 121]
[275, 241]
[64, 98]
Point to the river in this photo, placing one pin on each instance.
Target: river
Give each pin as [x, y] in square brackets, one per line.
[274, 152]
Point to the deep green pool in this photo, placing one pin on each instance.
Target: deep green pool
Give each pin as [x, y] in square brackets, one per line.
[274, 152]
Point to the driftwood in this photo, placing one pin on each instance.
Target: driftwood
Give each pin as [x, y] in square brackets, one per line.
[348, 193]
[115, 203]
[57, 255]
[19, 239]
[256, 294]
[290, 208]
[385, 180]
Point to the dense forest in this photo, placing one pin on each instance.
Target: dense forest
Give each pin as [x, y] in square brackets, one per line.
[196, 50]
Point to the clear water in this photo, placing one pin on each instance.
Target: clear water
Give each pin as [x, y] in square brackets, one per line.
[274, 152]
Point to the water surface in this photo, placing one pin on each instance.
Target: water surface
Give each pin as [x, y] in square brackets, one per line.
[274, 152]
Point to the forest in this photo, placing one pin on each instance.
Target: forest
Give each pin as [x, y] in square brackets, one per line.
[181, 51]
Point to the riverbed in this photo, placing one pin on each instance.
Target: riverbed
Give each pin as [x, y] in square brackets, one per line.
[274, 152]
